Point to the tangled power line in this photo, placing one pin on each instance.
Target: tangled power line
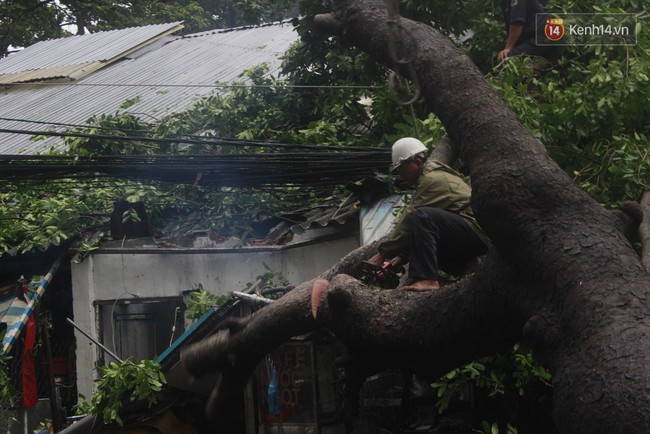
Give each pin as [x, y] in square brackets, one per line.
[231, 170]
[277, 165]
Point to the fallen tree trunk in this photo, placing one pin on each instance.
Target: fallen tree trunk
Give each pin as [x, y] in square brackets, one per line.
[644, 231]
[562, 274]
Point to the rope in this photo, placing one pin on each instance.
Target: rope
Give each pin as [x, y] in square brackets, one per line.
[396, 34]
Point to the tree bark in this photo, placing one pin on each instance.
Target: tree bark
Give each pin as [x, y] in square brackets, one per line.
[644, 231]
[561, 275]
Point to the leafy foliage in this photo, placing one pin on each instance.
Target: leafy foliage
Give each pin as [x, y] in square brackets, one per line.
[130, 382]
[487, 428]
[502, 379]
[201, 300]
[268, 280]
[590, 109]
[103, 126]
[109, 15]
[82, 407]
[23, 23]
[7, 395]
[35, 215]
[6, 386]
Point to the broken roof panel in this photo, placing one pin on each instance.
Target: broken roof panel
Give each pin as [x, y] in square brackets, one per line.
[274, 233]
[76, 56]
[378, 219]
[159, 82]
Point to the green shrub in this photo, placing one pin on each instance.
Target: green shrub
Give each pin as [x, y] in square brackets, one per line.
[120, 383]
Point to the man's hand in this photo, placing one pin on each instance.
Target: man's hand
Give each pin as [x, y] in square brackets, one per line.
[379, 271]
[514, 33]
[503, 54]
[382, 262]
[394, 262]
[377, 260]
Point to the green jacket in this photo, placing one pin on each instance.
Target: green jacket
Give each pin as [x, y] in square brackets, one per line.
[439, 186]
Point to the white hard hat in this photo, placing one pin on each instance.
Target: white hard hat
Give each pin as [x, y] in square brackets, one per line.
[406, 148]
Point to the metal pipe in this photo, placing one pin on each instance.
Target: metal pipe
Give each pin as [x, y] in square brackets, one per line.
[252, 297]
[57, 420]
[14, 331]
[84, 426]
[94, 341]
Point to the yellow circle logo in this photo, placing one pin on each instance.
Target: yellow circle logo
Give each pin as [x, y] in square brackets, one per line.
[554, 29]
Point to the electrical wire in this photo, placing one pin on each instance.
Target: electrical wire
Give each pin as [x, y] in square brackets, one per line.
[214, 85]
[252, 170]
[323, 166]
[184, 140]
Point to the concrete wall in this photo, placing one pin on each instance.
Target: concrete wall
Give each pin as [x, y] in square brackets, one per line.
[110, 274]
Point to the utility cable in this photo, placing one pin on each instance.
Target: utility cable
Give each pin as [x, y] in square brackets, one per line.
[214, 85]
[186, 140]
[254, 170]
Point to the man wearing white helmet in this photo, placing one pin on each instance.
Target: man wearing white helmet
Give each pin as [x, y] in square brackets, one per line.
[437, 232]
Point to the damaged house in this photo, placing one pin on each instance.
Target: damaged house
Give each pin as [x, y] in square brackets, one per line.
[127, 298]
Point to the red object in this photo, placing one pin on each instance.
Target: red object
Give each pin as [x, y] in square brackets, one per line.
[30, 389]
[60, 366]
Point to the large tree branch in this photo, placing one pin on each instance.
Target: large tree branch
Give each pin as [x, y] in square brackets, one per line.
[458, 94]
[562, 270]
[385, 329]
[539, 221]
[644, 231]
[445, 151]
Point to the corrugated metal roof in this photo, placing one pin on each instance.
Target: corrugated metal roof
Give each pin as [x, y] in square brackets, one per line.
[291, 228]
[378, 219]
[76, 56]
[160, 79]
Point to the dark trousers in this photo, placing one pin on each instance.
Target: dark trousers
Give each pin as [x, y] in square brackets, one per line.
[529, 47]
[440, 240]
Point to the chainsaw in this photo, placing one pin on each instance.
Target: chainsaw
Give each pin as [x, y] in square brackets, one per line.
[386, 276]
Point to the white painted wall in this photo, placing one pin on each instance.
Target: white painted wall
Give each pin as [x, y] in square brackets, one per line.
[107, 275]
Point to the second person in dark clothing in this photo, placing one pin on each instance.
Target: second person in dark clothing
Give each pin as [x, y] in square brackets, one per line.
[524, 19]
